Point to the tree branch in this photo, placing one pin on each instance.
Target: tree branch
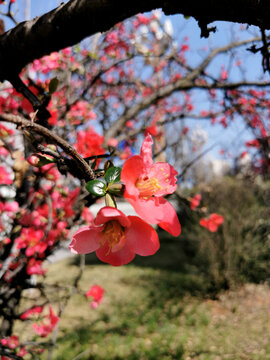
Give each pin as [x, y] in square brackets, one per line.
[186, 83]
[41, 130]
[71, 22]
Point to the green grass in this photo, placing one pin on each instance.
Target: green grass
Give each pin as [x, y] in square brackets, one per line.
[157, 308]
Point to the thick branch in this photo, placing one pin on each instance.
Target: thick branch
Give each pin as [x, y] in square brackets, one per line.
[73, 21]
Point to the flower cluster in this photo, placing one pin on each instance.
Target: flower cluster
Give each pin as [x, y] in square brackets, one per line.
[47, 325]
[117, 238]
[12, 343]
[213, 222]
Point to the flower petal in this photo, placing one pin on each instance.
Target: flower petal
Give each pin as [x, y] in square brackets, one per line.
[146, 151]
[147, 209]
[166, 176]
[108, 213]
[158, 211]
[121, 257]
[132, 170]
[86, 240]
[141, 237]
[170, 221]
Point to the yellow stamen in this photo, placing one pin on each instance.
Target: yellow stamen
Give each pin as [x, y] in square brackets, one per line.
[148, 187]
[114, 235]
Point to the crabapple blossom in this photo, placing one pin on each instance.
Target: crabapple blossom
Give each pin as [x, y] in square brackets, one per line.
[213, 222]
[115, 237]
[96, 292]
[46, 327]
[195, 201]
[146, 183]
[32, 311]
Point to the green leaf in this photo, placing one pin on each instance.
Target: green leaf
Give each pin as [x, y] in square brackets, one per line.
[96, 187]
[113, 174]
[53, 85]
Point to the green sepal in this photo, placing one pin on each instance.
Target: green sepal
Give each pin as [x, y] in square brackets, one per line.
[110, 201]
[96, 187]
[113, 175]
[45, 160]
[116, 189]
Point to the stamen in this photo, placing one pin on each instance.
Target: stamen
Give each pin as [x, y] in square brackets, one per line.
[148, 187]
[114, 235]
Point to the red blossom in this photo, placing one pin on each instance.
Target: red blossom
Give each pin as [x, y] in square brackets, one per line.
[253, 143]
[96, 292]
[89, 143]
[195, 201]
[46, 327]
[115, 237]
[35, 267]
[33, 311]
[145, 185]
[185, 130]
[11, 342]
[243, 154]
[87, 215]
[213, 222]
[5, 178]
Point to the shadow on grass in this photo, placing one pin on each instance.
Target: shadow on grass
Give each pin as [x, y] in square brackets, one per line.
[167, 277]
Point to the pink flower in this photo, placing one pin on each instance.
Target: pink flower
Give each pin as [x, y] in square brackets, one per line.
[9, 207]
[22, 352]
[12, 341]
[87, 215]
[46, 327]
[213, 222]
[35, 267]
[195, 201]
[253, 143]
[5, 178]
[96, 292]
[115, 237]
[145, 185]
[33, 311]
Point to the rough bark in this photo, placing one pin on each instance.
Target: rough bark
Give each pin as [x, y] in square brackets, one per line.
[71, 22]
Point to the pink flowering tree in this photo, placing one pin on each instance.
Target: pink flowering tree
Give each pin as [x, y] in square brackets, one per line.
[100, 120]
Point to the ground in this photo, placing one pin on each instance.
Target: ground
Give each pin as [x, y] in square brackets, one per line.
[154, 309]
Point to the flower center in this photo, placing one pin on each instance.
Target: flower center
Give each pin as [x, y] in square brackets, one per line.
[148, 186]
[114, 235]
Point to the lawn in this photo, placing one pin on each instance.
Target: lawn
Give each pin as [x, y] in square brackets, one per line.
[157, 308]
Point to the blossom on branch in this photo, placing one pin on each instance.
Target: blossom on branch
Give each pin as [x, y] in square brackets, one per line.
[115, 237]
[213, 222]
[11, 342]
[46, 327]
[5, 178]
[145, 185]
[195, 201]
[36, 310]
